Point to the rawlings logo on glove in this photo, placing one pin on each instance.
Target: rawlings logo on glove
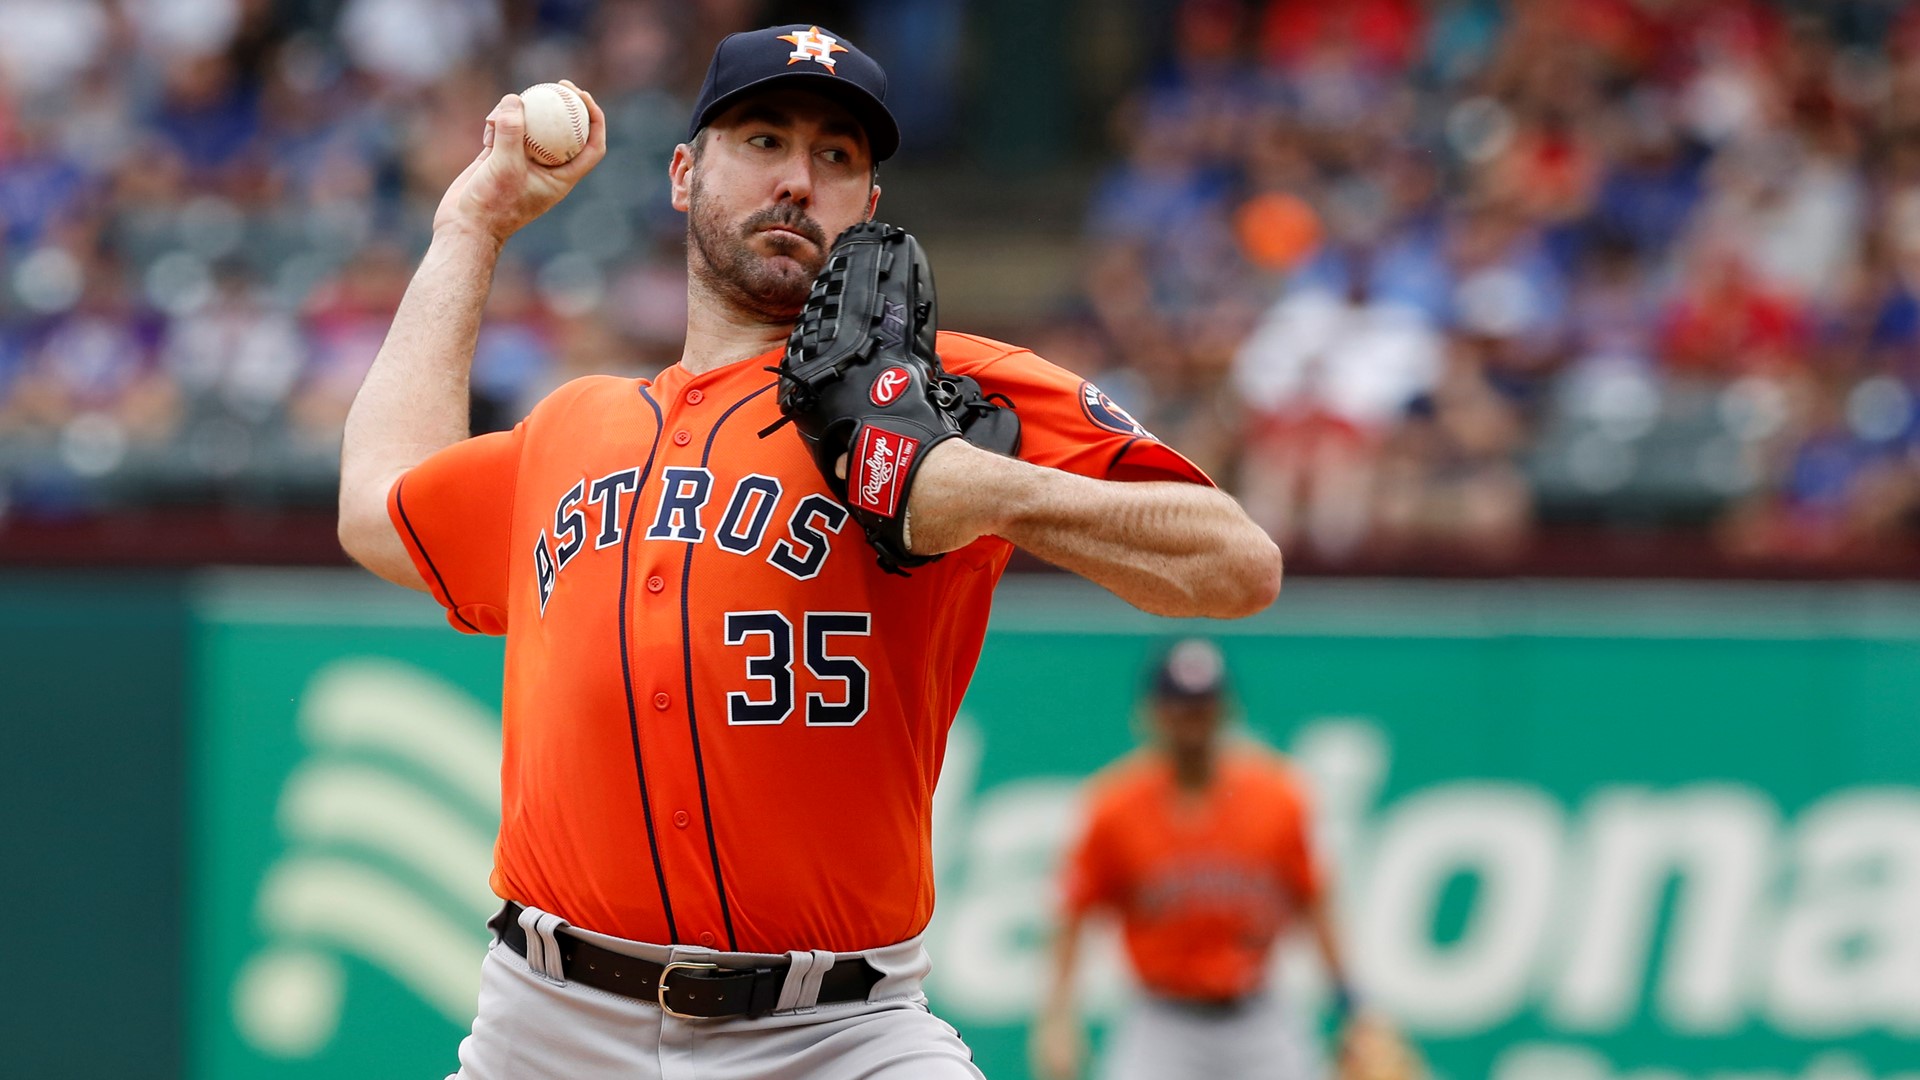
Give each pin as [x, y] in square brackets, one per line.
[865, 343]
[873, 473]
[888, 386]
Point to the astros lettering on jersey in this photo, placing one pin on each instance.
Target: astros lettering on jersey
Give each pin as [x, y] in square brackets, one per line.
[1203, 883]
[723, 722]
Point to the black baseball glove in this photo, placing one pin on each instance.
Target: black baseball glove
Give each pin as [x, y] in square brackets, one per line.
[861, 381]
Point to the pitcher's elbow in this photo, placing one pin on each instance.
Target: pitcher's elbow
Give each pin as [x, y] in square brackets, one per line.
[351, 532]
[1269, 576]
[363, 529]
[1256, 581]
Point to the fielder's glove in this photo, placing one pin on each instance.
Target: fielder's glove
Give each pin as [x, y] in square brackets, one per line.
[860, 380]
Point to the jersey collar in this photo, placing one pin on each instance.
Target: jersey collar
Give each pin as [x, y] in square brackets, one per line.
[741, 375]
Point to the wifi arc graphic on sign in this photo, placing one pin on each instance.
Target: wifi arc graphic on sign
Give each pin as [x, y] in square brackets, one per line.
[388, 825]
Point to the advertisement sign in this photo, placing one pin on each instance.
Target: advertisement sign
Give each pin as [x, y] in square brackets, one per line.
[346, 795]
[1579, 833]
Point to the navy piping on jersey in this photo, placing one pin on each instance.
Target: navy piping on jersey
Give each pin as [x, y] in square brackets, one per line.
[686, 647]
[400, 503]
[1120, 453]
[626, 667]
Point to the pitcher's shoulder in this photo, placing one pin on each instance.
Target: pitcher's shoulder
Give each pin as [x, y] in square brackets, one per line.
[964, 354]
[588, 393]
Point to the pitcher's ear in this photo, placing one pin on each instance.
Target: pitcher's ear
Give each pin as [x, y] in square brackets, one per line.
[679, 176]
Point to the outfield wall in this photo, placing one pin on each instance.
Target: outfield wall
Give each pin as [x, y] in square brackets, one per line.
[93, 703]
[1583, 832]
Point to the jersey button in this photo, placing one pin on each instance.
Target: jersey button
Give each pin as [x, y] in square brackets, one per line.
[656, 583]
[680, 819]
[661, 701]
[682, 437]
[695, 397]
[707, 938]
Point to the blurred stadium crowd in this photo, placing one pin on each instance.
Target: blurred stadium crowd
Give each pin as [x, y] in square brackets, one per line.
[210, 209]
[1406, 276]
[1529, 260]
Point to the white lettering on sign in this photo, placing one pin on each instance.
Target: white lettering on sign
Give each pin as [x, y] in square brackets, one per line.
[1714, 842]
[1847, 955]
[1509, 838]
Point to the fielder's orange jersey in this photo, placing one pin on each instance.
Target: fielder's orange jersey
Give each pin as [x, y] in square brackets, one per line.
[723, 722]
[1203, 882]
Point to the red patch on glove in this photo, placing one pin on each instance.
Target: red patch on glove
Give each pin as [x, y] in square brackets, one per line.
[877, 470]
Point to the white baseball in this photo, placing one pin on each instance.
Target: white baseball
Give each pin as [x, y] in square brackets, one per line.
[556, 123]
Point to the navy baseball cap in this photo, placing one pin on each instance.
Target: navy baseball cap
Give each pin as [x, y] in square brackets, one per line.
[799, 55]
[1192, 670]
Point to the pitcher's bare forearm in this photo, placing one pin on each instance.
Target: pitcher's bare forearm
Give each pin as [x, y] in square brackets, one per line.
[414, 400]
[1167, 547]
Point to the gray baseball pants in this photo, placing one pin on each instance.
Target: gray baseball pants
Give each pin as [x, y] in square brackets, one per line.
[1161, 1040]
[532, 1025]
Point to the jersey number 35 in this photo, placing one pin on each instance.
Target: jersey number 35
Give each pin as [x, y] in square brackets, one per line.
[771, 699]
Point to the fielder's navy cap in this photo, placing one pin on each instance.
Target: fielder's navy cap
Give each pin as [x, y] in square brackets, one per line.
[809, 56]
[1192, 670]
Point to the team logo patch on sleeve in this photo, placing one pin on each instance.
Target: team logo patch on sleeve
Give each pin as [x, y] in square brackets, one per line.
[877, 470]
[1104, 413]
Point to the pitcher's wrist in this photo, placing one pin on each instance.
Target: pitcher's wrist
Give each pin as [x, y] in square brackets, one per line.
[460, 230]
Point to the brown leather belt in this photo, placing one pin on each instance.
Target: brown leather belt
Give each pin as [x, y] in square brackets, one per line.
[683, 988]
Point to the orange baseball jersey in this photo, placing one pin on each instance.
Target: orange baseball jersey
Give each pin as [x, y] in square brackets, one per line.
[1203, 883]
[723, 722]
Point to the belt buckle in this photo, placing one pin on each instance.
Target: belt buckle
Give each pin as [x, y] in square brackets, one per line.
[660, 992]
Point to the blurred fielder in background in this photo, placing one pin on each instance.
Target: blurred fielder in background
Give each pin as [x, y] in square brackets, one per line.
[1202, 846]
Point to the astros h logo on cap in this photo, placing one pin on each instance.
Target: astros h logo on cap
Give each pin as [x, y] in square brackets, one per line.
[811, 44]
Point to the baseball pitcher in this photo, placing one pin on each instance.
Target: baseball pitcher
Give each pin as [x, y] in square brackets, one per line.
[742, 601]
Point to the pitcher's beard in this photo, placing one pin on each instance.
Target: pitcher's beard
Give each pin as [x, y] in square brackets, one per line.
[769, 288]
